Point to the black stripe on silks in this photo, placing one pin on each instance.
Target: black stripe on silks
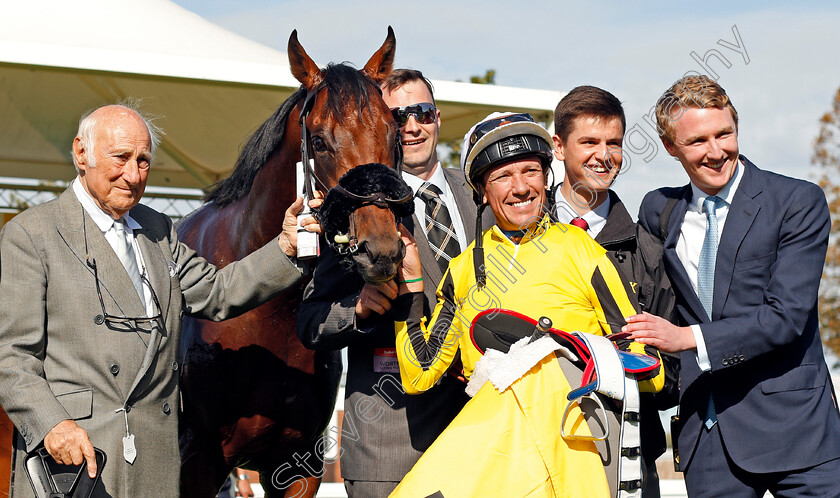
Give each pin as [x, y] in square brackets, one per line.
[428, 352]
[612, 312]
[632, 293]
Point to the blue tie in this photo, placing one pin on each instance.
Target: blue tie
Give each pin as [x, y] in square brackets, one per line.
[706, 277]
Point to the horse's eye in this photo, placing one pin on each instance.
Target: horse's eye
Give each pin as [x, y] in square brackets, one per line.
[318, 144]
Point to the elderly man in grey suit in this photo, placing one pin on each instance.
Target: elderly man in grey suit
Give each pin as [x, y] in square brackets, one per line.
[94, 286]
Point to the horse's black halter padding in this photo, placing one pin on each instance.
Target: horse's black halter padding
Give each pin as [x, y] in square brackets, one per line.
[363, 185]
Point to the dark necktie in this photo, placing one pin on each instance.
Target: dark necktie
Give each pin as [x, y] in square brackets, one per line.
[438, 226]
[580, 223]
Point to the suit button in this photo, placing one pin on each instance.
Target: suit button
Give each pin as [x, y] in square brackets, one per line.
[115, 369]
[127, 408]
[166, 408]
[174, 365]
[342, 323]
[99, 319]
[725, 362]
[742, 358]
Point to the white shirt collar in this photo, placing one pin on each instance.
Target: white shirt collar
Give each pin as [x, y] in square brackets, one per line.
[102, 219]
[727, 193]
[596, 218]
[437, 179]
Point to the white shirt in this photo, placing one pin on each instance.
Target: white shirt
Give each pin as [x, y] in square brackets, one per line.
[438, 179]
[106, 225]
[596, 218]
[690, 243]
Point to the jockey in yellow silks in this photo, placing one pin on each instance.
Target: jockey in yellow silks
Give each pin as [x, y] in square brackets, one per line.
[508, 443]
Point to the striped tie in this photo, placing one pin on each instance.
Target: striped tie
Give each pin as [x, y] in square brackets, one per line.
[706, 277]
[438, 226]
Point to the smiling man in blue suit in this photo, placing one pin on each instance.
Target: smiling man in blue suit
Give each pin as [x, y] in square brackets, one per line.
[744, 249]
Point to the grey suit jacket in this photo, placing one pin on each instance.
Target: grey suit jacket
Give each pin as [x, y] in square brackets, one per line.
[385, 430]
[59, 358]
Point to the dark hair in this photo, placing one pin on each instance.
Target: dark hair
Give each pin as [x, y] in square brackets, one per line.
[400, 77]
[586, 101]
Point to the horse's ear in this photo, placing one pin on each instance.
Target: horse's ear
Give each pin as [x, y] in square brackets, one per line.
[379, 66]
[303, 67]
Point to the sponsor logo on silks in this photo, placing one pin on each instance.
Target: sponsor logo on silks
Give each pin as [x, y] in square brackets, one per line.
[385, 360]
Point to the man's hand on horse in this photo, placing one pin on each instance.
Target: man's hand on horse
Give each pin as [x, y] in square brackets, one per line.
[288, 237]
[658, 332]
[375, 299]
[69, 444]
[410, 271]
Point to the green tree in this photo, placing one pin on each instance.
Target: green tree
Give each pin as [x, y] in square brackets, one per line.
[489, 78]
[827, 157]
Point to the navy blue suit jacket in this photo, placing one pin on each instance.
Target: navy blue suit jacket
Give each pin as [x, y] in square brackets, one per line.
[768, 378]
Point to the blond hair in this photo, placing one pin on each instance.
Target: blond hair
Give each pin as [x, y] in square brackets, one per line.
[697, 92]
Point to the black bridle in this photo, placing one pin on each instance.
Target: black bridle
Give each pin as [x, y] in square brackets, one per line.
[345, 244]
[368, 184]
[309, 167]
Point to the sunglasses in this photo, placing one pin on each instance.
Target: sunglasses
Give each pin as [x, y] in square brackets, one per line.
[424, 113]
[488, 126]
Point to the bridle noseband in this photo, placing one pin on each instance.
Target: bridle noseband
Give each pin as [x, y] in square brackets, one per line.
[346, 244]
[308, 165]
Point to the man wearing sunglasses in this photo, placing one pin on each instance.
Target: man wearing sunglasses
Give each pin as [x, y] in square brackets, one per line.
[340, 310]
[94, 286]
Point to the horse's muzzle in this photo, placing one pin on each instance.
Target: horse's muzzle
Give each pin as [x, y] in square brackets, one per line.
[375, 266]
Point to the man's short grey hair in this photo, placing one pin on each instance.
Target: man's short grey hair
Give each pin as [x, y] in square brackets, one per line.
[87, 129]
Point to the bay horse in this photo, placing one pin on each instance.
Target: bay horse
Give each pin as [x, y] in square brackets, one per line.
[253, 396]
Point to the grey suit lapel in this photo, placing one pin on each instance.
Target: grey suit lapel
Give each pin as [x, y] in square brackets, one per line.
[156, 265]
[742, 214]
[158, 273]
[80, 233]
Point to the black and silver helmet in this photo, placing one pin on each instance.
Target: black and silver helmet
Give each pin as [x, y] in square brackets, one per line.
[500, 137]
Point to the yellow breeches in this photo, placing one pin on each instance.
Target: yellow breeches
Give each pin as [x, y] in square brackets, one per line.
[509, 444]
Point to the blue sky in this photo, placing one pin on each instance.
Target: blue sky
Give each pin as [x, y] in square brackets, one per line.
[635, 50]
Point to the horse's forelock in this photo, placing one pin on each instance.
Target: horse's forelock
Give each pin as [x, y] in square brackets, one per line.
[345, 84]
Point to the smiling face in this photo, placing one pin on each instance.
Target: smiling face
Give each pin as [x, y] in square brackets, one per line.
[122, 152]
[515, 192]
[592, 158]
[419, 141]
[706, 143]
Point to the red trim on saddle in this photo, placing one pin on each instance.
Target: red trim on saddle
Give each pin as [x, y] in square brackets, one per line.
[580, 348]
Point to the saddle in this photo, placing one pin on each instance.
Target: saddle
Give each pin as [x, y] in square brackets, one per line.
[608, 393]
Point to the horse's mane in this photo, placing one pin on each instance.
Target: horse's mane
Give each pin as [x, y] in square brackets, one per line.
[342, 83]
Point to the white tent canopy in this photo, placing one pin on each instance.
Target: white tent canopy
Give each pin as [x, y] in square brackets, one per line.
[210, 87]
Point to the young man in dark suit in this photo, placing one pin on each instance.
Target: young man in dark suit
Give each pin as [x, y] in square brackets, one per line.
[745, 250]
[390, 429]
